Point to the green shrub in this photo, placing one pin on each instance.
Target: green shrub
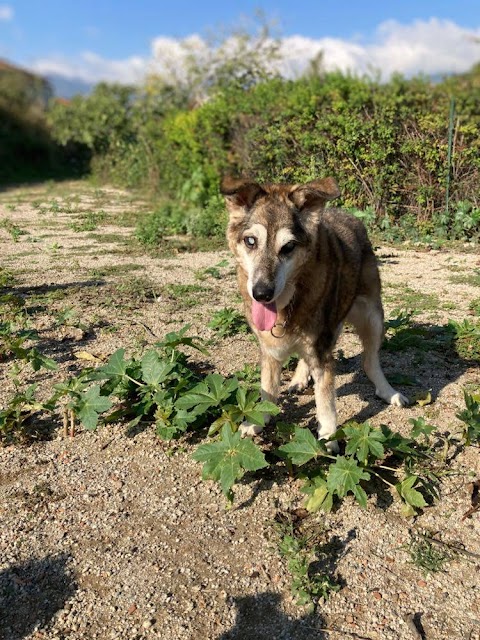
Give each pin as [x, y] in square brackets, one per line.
[387, 144]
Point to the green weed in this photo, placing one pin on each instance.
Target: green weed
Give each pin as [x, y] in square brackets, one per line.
[474, 306]
[472, 279]
[89, 221]
[185, 295]
[217, 271]
[13, 229]
[466, 338]
[228, 322]
[301, 553]
[470, 417]
[425, 555]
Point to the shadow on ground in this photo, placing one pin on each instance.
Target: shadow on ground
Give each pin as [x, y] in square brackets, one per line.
[260, 617]
[31, 594]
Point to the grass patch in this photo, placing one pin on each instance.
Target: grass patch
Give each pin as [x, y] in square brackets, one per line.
[186, 295]
[228, 322]
[425, 555]
[114, 270]
[303, 555]
[108, 238]
[89, 221]
[138, 289]
[13, 229]
[414, 299]
[472, 279]
[474, 306]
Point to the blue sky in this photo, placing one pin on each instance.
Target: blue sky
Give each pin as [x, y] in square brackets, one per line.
[91, 39]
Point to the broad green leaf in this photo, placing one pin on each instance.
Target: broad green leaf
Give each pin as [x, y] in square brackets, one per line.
[38, 360]
[166, 430]
[398, 444]
[321, 498]
[362, 440]
[176, 338]
[360, 496]
[227, 459]
[115, 365]
[303, 447]
[344, 476]
[154, 370]
[91, 405]
[251, 457]
[285, 431]
[214, 390]
[409, 494]
[420, 427]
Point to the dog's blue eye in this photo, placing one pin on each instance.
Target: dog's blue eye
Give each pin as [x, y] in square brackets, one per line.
[288, 248]
[250, 242]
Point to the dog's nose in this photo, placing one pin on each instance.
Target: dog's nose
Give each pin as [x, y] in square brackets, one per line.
[263, 292]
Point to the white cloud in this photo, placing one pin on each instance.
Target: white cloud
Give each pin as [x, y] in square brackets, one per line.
[428, 46]
[92, 68]
[6, 12]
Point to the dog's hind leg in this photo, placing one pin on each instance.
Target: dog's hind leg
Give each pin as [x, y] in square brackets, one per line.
[366, 315]
[271, 369]
[300, 378]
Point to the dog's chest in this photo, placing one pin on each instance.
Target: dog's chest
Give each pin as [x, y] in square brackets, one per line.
[278, 348]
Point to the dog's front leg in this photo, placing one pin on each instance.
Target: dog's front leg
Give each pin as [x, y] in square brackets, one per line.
[323, 375]
[270, 381]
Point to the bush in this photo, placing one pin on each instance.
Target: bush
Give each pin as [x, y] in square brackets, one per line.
[387, 144]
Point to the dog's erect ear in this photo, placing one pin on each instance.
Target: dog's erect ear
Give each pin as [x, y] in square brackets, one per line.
[240, 192]
[315, 194]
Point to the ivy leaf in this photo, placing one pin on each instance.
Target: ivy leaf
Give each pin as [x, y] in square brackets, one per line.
[302, 448]
[212, 392]
[409, 494]
[344, 476]
[226, 460]
[90, 405]
[364, 440]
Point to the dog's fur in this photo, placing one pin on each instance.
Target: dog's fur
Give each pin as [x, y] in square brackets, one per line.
[316, 266]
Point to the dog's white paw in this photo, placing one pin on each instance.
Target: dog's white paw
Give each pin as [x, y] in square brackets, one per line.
[248, 430]
[332, 447]
[399, 400]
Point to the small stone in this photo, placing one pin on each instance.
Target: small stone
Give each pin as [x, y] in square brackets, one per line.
[132, 608]
[350, 619]
[421, 583]
[377, 595]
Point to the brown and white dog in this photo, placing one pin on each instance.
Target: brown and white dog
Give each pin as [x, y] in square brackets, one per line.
[303, 271]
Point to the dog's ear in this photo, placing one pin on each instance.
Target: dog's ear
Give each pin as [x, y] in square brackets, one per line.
[315, 194]
[240, 193]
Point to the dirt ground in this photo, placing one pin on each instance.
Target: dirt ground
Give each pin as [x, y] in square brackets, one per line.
[113, 535]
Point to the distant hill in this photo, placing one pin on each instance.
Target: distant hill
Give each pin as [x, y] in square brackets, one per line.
[64, 87]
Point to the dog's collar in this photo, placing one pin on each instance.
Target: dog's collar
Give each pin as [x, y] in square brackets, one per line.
[279, 329]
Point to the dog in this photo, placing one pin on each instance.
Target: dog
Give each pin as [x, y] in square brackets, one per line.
[303, 271]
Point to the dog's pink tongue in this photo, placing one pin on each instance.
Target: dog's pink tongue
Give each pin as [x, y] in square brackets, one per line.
[264, 315]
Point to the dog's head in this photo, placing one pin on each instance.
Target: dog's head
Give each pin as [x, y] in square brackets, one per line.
[270, 231]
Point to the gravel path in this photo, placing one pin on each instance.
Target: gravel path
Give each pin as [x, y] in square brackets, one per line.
[109, 535]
